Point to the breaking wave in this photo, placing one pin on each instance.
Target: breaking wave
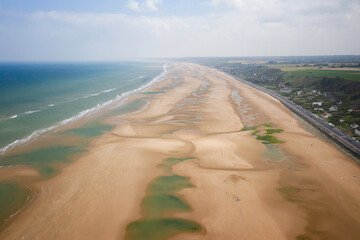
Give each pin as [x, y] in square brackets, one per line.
[83, 113]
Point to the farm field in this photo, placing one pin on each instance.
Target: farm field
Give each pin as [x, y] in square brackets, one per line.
[351, 74]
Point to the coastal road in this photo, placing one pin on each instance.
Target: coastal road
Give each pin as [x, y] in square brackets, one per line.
[332, 132]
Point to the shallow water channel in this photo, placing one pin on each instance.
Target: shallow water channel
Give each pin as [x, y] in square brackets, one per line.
[160, 204]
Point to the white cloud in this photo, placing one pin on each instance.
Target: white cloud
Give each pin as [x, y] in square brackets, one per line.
[146, 5]
[133, 5]
[238, 4]
[304, 7]
[65, 36]
[151, 4]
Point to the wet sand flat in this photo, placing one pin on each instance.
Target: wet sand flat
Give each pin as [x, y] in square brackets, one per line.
[199, 163]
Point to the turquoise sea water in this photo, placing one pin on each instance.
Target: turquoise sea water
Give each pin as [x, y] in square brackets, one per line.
[59, 94]
[36, 98]
[47, 161]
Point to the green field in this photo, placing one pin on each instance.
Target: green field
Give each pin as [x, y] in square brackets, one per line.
[292, 67]
[297, 72]
[347, 75]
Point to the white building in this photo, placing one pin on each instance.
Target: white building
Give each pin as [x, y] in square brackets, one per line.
[333, 108]
[317, 104]
[285, 90]
[357, 131]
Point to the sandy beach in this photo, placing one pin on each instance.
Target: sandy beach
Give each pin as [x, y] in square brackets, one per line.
[208, 128]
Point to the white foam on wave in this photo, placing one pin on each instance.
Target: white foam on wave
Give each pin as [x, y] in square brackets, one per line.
[30, 112]
[109, 90]
[82, 114]
[4, 118]
[50, 105]
[90, 95]
[98, 93]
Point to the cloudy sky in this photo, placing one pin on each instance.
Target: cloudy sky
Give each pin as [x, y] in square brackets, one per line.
[93, 30]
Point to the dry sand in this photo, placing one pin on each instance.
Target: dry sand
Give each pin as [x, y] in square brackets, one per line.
[310, 194]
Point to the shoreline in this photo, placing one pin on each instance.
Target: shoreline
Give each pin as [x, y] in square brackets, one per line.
[29, 176]
[113, 103]
[237, 189]
[93, 145]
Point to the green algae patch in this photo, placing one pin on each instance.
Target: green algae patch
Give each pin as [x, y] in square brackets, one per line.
[45, 160]
[13, 196]
[160, 205]
[158, 229]
[170, 162]
[161, 200]
[265, 138]
[248, 128]
[168, 184]
[273, 153]
[271, 131]
[255, 133]
[268, 139]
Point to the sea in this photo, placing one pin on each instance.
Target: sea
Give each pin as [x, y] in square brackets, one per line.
[44, 100]
[36, 98]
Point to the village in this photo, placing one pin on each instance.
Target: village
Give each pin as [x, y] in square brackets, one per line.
[339, 108]
[328, 106]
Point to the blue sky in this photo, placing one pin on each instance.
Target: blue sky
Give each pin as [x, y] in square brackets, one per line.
[89, 30]
[172, 7]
